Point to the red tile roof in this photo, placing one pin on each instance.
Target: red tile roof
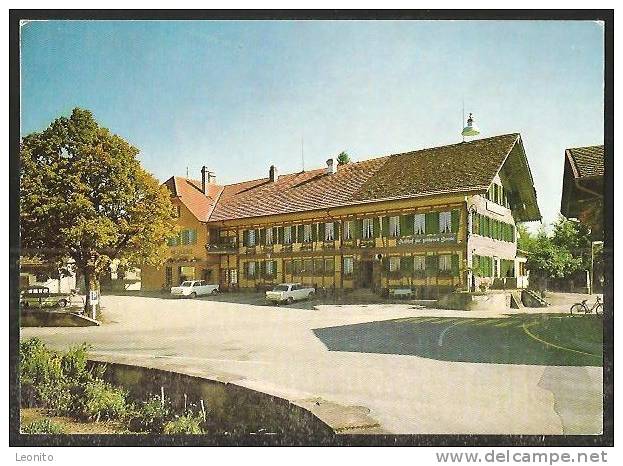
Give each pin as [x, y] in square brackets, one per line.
[462, 167]
[189, 192]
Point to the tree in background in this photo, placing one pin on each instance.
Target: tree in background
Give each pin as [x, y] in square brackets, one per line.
[85, 196]
[343, 158]
[560, 254]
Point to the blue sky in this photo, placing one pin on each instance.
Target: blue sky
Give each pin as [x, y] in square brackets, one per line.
[238, 96]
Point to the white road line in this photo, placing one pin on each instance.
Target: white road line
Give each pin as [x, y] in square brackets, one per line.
[445, 330]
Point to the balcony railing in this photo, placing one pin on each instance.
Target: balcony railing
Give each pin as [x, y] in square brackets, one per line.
[217, 248]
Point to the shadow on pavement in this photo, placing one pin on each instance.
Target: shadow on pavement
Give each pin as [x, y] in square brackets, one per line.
[544, 339]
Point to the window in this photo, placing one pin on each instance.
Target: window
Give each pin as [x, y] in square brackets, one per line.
[251, 269]
[445, 263]
[319, 266]
[348, 234]
[419, 262]
[394, 226]
[178, 212]
[297, 266]
[394, 263]
[288, 266]
[348, 265]
[419, 224]
[368, 228]
[269, 236]
[308, 265]
[328, 265]
[329, 232]
[445, 222]
[307, 233]
[270, 267]
[287, 235]
[251, 241]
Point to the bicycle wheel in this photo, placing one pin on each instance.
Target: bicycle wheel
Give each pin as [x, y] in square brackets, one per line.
[578, 308]
[599, 310]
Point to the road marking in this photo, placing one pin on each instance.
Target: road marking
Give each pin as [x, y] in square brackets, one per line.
[445, 330]
[532, 335]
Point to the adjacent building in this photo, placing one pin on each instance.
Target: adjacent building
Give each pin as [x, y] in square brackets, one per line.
[432, 220]
[582, 187]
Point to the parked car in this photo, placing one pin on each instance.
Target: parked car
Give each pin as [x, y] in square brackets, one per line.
[40, 296]
[290, 292]
[193, 288]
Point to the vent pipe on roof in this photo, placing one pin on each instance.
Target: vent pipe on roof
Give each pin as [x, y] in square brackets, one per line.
[273, 174]
[331, 167]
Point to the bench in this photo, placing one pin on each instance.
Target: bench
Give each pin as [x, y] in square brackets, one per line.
[401, 292]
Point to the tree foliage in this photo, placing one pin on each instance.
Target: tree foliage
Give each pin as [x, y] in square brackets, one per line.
[85, 196]
[343, 158]
[560, 254]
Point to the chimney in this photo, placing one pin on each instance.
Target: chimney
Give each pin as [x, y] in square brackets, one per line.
[204, 172]
[273, 174]
[331, 167]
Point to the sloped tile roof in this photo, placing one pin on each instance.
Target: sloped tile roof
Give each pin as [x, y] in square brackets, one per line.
[462, 167]
[189, 192]
[587, 161]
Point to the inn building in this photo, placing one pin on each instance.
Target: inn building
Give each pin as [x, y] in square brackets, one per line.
[433, 220]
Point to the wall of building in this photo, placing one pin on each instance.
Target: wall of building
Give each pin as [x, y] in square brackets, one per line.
[181, 255]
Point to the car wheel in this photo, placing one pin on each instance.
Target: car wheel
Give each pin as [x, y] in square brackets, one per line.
[62, 303]
[193, 295]
[215, 291]
[290, 300]
[311, 295]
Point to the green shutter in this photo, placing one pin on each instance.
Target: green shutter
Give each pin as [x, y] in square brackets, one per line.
[336, 230]
[314, 232]
[263, 268]
[299, 233]
[406, 264]
[432, 223]
[455, 220]
[406, 225]
[455, 265]
[358, 226]
[386, 264]
[432, 264]
[279, 235]
[385, 227]
[321, 232]
[261, 237]
[376, 227]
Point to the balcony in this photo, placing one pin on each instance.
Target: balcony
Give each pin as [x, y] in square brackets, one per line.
[222, 247]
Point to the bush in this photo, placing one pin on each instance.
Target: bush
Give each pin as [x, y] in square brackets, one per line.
[186, 424]
[102, 401]
[150, 416]
[43, 426]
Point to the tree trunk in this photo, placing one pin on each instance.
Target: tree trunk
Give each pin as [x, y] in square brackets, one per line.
[91, 282]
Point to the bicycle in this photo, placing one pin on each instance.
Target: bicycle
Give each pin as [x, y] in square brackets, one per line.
[578, 308]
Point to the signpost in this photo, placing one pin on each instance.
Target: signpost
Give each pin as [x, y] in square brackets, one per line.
[93, 299]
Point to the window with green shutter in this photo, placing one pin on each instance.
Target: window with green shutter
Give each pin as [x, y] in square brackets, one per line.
[288, 266]
[376, 228]
[358, 232]
[329, 265]
[385, 227]
[318, 266]
[432, 223]
[321, 232]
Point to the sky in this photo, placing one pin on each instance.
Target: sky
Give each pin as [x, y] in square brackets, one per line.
[238, 96]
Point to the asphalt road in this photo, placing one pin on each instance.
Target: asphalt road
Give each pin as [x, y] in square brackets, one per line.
[359, 356]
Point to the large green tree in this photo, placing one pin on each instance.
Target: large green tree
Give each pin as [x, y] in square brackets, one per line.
[560, 254]
[85, 196]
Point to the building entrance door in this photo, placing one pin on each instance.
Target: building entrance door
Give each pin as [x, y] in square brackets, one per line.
[367, 268]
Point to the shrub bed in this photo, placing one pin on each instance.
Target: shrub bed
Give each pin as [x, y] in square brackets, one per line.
[64, 385]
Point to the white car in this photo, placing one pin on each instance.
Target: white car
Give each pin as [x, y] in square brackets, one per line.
[290, 292]
[194, 288]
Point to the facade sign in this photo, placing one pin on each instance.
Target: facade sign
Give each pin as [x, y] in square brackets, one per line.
[429, 239]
